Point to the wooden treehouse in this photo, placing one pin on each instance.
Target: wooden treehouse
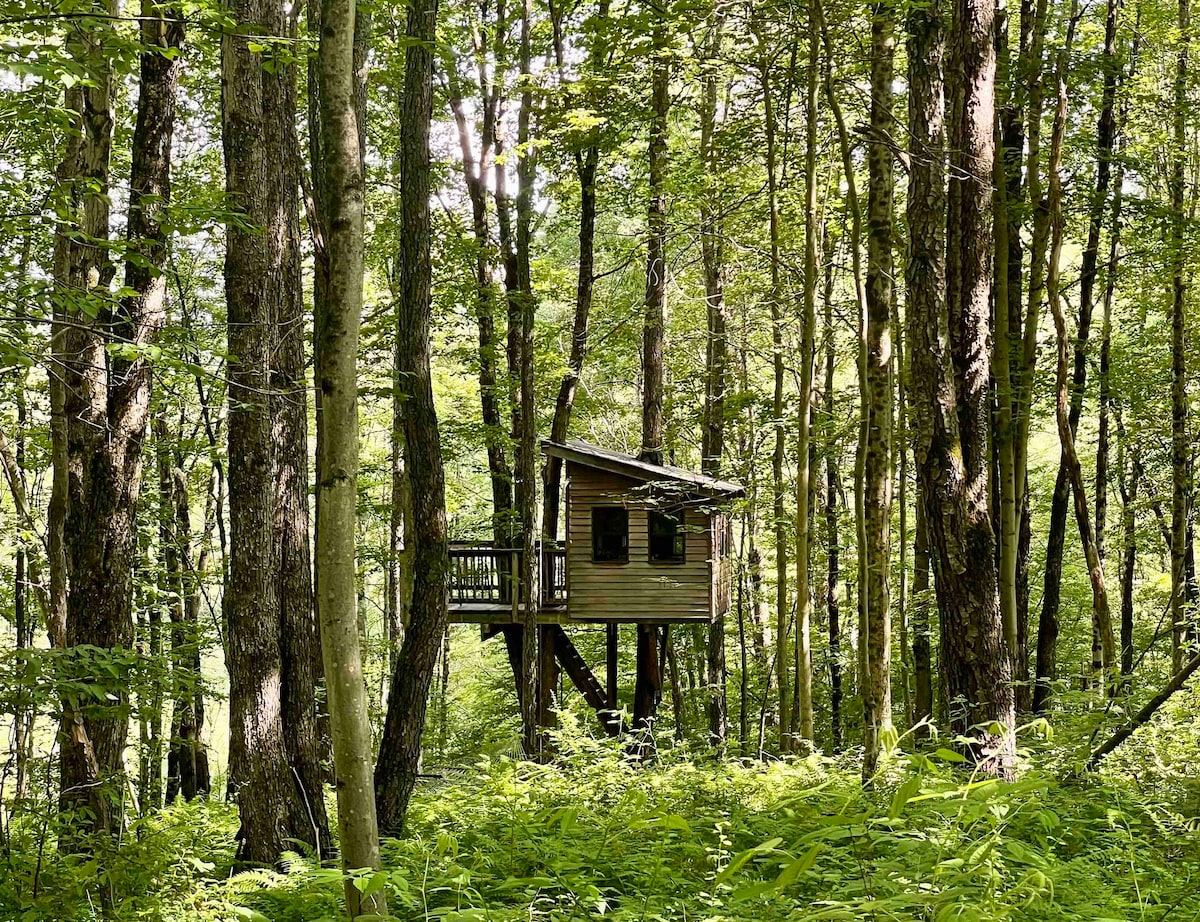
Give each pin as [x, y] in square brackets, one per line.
[646, 544]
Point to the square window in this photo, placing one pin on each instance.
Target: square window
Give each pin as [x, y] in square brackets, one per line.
[668, 540]
[610, 534]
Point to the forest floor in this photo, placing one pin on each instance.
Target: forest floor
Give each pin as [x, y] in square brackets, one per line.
[596, 837]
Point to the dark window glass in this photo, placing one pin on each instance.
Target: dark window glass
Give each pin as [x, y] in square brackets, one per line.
[610, 534]
[667, 537]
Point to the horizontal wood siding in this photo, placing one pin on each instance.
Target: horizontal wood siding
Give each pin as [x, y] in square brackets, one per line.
[639, 589]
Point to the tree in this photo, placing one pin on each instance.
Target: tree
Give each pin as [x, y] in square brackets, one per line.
[261, 273]
[716, 360]
[877, 698]
[105, 401]
[399, 756]
[948, 319]
[336, 348]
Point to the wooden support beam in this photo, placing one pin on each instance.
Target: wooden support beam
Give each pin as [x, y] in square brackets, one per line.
[581, 676]
[612, 637]
[547, 675]
[647, 691]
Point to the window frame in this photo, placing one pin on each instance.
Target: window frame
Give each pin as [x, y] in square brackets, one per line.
[606, 509]
[678, 538]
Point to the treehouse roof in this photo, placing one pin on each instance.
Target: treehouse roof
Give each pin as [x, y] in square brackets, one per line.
[663, 477]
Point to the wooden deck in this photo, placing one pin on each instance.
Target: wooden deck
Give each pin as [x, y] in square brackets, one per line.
[482, 580]
[494, 613]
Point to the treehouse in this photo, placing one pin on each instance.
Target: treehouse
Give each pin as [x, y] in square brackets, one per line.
[645, 544]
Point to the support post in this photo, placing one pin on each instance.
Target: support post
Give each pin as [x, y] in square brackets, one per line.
[611, 646]
[514, 575]
[647, 691]
[547, 678]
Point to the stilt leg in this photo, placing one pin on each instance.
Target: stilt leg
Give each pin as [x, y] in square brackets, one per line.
[647, 691]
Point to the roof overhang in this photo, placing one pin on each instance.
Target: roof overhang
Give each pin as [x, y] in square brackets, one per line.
[668, 478]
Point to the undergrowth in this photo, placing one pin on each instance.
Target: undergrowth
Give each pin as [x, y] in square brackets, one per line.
[596, 837]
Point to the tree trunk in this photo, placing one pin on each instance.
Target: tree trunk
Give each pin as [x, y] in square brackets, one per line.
[951, 412]
[400, 748]
[777, 457]
[716, 361]
[260, 775]
[1063, 492]
[877, 697]
[1100, 608]
[860, 289]
[526, 488]
[1129, 493]
[653, 328]
[832, 539]
[1179, 400]
[491, 391]
[336, 357]
[106, 399]
[586, 162]
[299, 637]
[806, 731]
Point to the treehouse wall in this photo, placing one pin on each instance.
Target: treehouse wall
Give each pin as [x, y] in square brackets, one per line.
[637, 590]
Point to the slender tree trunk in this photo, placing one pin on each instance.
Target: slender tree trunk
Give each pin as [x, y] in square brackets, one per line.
[716, 362]
[299, 637]
[526, 488]
[649, 675]
[806, 732]
[1129, 494]
[777, 458]
[491, 389]
[860, 288]
[1100, 608]
[187, 760]
[587, 161]
[1180, 487]
[400, 747]
[24, 717]
[336, 356]
[1105, 138]
[1178, 681]
[653, 328]
[832, 538]
[922, 602]
[877, 697]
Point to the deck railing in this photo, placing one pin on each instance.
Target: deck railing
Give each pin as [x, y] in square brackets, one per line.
[485, 574]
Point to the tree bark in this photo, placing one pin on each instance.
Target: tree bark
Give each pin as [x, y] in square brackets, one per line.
[877, 697]
[1100, 608]
[832, 538]
[777, 458]
[1180, 486]
[336, 355]
[526, 488]
[653, 328]
[256, 274]
[1063, 491]
[400, 748]
[299, 636]
[716, 365]
[105, 398]
[587, 161]
[947, 327]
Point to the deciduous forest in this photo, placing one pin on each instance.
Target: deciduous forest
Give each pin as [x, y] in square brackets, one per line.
[608, 459]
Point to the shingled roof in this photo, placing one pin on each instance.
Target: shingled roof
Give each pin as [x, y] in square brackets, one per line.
[617, 462]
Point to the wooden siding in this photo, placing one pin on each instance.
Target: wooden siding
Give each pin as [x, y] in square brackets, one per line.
[637, 590]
